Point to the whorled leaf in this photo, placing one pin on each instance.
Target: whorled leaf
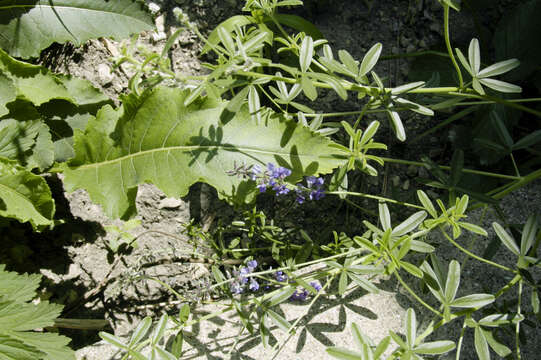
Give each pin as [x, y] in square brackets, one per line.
[156, 138]
[24, 196]
[28, 26]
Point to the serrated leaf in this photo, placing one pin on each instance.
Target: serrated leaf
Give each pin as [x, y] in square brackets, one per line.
[11, 349]
[29, 26]
[53, 345]
[25, 196]
[500, 86]
[498, 68]
[43, 151]
[370, 59]
[7, 93]
[157, 139]
[17, 138]
[15, 287]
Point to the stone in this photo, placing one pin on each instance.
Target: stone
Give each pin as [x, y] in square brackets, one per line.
[170, 203]
[104, 74]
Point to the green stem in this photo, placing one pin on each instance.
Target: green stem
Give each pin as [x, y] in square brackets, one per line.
[414, 54]
[514, 164]
[466, 251]
[508, 286]
[448, 44]
[492, 102]
[375, 197]
[517, 329]
[469, 171]
[459, 345]
[416, 296]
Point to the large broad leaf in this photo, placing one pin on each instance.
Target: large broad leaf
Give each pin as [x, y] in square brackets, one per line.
[156, 138]
[18, 317]
[28, 26]
[24, 196]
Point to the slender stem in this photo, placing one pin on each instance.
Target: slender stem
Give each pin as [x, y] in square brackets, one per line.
[514, 164]
[469, 171]
[508, 286]
[459, 345]
[413, 54]
[517, 329]
[416, 296]
[466, 251]
[469, 103]
[375, 197]
[448, 43]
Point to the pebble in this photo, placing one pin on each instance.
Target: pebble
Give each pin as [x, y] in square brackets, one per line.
[104, 74]
[170, 203]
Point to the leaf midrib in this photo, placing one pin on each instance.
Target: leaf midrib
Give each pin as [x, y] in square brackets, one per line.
[72, 8]
[195, 147]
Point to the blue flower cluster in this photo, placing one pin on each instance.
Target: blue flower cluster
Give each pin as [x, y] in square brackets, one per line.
[242, 278]
[313, 189]
[272, 177]
[301, 295]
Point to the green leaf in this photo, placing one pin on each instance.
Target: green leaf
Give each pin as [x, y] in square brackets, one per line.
[308, 88]
[500, 86]
[15, 287]
[228, 25]
[332, 82]
[411, 328]
[28, 26]
[412, 269]
[227, 40]
[299, 23]
[279, 320]
[498, 68]
[306, 53]
[474, 56]
[25, 196]
[113, 340]
[351, 64]
[506, 239]
[402, 89]
[435, 347]
[17, 137]
[359, 337]
[422, 247]
[384, 216]
[464, 62]
[43, 151]
[12, 349]
[370, 59]
[140, 331]
[363, 283]
[528, 140]
[7, 93]
[481, 345]
[410, 224]
[397, 125]
[420, 109]
[529, 232]
[473, 228]
[473, 301]
[157, 139]
[53, 345]
[343, 354]
[498, 347]
[427, 203]
[158, 333]
[453, 281]
[282, 295]
[343, 283]
[382, 346]
[254, 105]
[165, 355]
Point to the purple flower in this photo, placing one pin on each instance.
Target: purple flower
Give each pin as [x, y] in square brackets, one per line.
[299, 295]
[262, 187]
[280, 276]
[254, 285]
[252, 264]
[316, 194]
[280, 189]
[255, 171]
[316, 285]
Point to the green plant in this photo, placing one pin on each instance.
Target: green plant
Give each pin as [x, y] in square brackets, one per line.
[20, 318]
[244, 128]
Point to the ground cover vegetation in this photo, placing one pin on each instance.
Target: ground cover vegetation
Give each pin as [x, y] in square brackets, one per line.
[247, 128]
